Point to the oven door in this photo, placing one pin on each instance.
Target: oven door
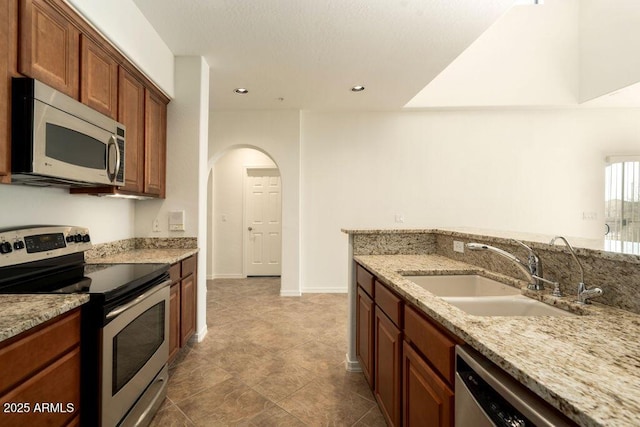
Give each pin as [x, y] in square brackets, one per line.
[135, 348]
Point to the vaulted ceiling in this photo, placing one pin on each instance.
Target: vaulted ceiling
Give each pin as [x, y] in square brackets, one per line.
[307, 54]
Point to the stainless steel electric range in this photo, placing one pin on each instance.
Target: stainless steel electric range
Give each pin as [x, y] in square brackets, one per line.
[125, 324]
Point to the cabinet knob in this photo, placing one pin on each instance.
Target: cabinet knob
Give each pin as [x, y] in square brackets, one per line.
[250, 228]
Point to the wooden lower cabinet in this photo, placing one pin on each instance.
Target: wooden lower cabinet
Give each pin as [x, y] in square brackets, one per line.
[187, 308]
[40, 380]
[427, 400]
[182, 303]
[174, 320]
[364, 334]
[388, 367]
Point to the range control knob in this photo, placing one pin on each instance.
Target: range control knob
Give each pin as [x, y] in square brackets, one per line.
[86, 238]
[69, 239]
[77, 238]
[18, 245]
[5, 248]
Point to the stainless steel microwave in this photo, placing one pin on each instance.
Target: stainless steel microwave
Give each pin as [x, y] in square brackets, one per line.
[57, 141]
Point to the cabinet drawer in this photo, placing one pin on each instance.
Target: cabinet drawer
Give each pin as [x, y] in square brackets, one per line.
[32, 351]
[389, 303]
[189, 266]
[57, 385]
[435, 345]
[174, 272]
[364, 279]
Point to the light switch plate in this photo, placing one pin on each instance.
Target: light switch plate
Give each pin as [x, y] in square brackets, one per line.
[458, 246]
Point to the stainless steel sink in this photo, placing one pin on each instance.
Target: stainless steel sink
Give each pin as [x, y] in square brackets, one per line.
[513, 305]
[480, 296]
[463, 286]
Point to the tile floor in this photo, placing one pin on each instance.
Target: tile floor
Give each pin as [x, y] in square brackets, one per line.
[268, 361]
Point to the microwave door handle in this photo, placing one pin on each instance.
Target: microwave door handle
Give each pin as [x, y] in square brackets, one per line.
[112, 145]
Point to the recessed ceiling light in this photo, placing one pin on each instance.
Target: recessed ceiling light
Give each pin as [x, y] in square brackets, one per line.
[241, 90]
[357, 89]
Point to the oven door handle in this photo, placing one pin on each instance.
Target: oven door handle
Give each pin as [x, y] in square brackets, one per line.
[118, 310]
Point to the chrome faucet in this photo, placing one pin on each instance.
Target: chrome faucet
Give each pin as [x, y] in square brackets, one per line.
[584, 294]
[532, 268]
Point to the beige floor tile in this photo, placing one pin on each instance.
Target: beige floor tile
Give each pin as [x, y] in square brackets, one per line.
[267, 361]
[192, 377]
[274, 417]
[316, 406]
[227, 403]
[373, 418]
[170, 416]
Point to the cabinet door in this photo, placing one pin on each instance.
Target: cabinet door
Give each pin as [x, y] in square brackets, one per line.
[8, 65]
[154, 144]
[187, 308]
[49, 47]
[388, 367]
[427, 400]
[131, 115]
[174, 320]
[364, 334]
[98, 78]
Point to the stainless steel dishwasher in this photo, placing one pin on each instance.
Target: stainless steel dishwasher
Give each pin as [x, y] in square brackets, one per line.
[485, 395]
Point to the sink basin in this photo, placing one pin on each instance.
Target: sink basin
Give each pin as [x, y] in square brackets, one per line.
[514, 305]
[480, 296]
[463, 286]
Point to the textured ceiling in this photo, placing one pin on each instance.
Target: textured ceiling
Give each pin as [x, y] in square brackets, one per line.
[311, 52]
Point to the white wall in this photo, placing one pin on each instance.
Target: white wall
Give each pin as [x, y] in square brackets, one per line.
[124, 25]
[530, 171]
[278, 134]
[609, 45]
[108, 219]
[186, 178]
[228, 229]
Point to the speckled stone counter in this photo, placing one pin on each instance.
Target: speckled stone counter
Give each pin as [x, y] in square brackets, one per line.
[19, 313]
[587, 366]
[144, 256]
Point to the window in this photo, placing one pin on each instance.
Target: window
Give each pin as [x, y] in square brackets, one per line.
[622, 204]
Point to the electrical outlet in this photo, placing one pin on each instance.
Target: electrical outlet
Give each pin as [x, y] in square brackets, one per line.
[590, 216]
[400, 218]
[458, 246]
[156, 225]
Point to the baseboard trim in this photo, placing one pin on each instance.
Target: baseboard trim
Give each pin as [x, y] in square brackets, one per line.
[228, 276]
[290, 293]
[199, 336]
[352, 365]
[324, 291]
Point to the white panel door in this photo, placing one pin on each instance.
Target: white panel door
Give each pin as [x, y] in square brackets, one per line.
[263, 222]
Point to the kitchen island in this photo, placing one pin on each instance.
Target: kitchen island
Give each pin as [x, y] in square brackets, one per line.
[587, 366]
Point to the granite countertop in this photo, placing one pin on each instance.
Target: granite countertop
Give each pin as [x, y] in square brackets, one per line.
[587, 366]
[19, 313]
[144, 256]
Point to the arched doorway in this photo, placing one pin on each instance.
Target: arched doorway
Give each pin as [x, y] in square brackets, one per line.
[244, 212]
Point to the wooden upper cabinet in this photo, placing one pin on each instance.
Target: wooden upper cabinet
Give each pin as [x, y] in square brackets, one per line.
[155, 144]
[49, 47]
[131, 115]
[8, 68]
[98, 78]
